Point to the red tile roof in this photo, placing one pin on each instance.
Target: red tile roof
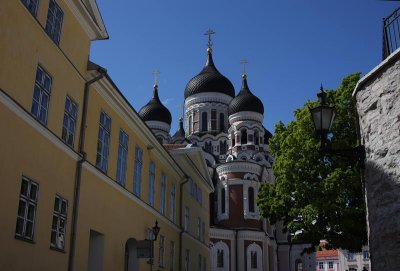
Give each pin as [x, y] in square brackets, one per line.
[328, 254]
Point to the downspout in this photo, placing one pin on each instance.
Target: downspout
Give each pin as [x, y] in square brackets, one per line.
[78, 172]
[185, 180]
[236, 250]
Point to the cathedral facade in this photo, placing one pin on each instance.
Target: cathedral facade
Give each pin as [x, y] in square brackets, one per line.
[229, 129]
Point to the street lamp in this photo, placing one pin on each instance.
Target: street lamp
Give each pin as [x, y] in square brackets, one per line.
[156, 231]
[323, 116]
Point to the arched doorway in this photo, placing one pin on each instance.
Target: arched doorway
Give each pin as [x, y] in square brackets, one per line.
[131, 260]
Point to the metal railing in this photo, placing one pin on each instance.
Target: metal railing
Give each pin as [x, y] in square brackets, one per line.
[391, 33]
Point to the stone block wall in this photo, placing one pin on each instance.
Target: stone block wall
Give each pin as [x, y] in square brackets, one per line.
[378, 104]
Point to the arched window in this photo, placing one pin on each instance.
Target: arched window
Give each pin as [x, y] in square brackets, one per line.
[254, 257]
[222, 147]
[222, 200]
[190, 124]
[222, 122]
[220, 256]
[251, 199]
[233, 140]
[213, 120]
[243, 138]
[204, 121]
[256, 137]
[160, 139]
[299, 265]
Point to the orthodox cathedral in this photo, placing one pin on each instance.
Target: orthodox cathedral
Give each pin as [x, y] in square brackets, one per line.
[229, 129]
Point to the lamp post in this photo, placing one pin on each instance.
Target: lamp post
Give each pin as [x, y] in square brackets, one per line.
[323, 116]
[156, 231]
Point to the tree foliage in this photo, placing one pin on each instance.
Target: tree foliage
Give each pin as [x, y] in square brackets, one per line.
[318, 195]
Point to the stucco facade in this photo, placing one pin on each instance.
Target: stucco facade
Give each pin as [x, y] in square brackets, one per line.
[84, 178]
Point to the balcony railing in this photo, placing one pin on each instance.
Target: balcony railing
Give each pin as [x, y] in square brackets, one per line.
[391, 33]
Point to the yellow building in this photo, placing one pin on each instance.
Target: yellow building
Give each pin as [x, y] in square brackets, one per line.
[83, 177]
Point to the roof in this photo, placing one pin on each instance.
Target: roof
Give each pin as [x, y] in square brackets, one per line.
[209, 80]
[170, 147]
[333, 253]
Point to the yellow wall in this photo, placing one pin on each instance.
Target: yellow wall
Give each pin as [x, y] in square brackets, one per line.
[37, 152]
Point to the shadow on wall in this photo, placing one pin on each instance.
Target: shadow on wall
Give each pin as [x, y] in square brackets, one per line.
[382, 183]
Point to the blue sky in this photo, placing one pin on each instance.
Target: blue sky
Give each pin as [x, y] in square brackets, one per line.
[291, 46]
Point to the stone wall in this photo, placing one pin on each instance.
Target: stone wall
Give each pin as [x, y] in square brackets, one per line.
[378, 104]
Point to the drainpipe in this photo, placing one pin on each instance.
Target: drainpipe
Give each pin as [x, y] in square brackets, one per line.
[78, 172]
[185, 180]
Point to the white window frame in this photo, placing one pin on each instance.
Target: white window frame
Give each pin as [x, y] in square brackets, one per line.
[254, 247]
[161, 258]
[173, 203]
[247, 214]
[223, 185]
[152, 180]
[163, 194]
[28, 201]
[187, 218]
[220, 245]
[56, 229]
[137, 174]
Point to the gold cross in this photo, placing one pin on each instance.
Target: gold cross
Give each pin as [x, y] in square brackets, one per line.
[156, 73]
[244, 62]
[209, 33]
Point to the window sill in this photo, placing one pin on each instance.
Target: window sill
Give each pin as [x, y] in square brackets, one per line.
[24, 239]
[57, 249]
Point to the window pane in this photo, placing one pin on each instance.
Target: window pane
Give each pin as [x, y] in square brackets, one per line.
[21, 208]
[20, 226]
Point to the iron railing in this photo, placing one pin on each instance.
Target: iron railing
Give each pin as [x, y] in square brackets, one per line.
[391, 33]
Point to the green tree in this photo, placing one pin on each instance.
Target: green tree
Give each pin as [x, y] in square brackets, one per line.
[318, 195]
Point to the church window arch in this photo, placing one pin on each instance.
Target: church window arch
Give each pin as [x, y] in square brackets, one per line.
[190, 124]
[254, 257]
[243, 136]
[204, 121]
[220, 256]
[221, 122]
[251, 199]
[256, 137]
[299, 265]
[222, 200]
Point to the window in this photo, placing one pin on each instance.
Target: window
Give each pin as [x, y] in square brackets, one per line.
[253, 259]
[54, 21]
[137, 181]
[204, 121]
[163, 194]
[203, 231]
[222, 147]
[41, 95]
[187, 260]
[69, 123]
[256, 137]
[152, 176]
[195, 121]
[31, 5]
[103, 142]
[220, 258]
[122, 157]
[199, 263]
[222, 122]
[172, 203]
[161, 251]
[213, 120]
[172, 256]
[350, 256]
[198, 228]
[330, 265]
[320, 265]
[299, 265]
[186, 225]
[251, 199]
[204, 263]
[243, 138]
[28, 200]
[190, 125]
[365, 254]
[59, 223]
[223, 210]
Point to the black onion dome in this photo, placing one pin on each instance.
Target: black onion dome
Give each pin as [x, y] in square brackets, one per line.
[245, 101]
[209, 80]
[154, 110]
